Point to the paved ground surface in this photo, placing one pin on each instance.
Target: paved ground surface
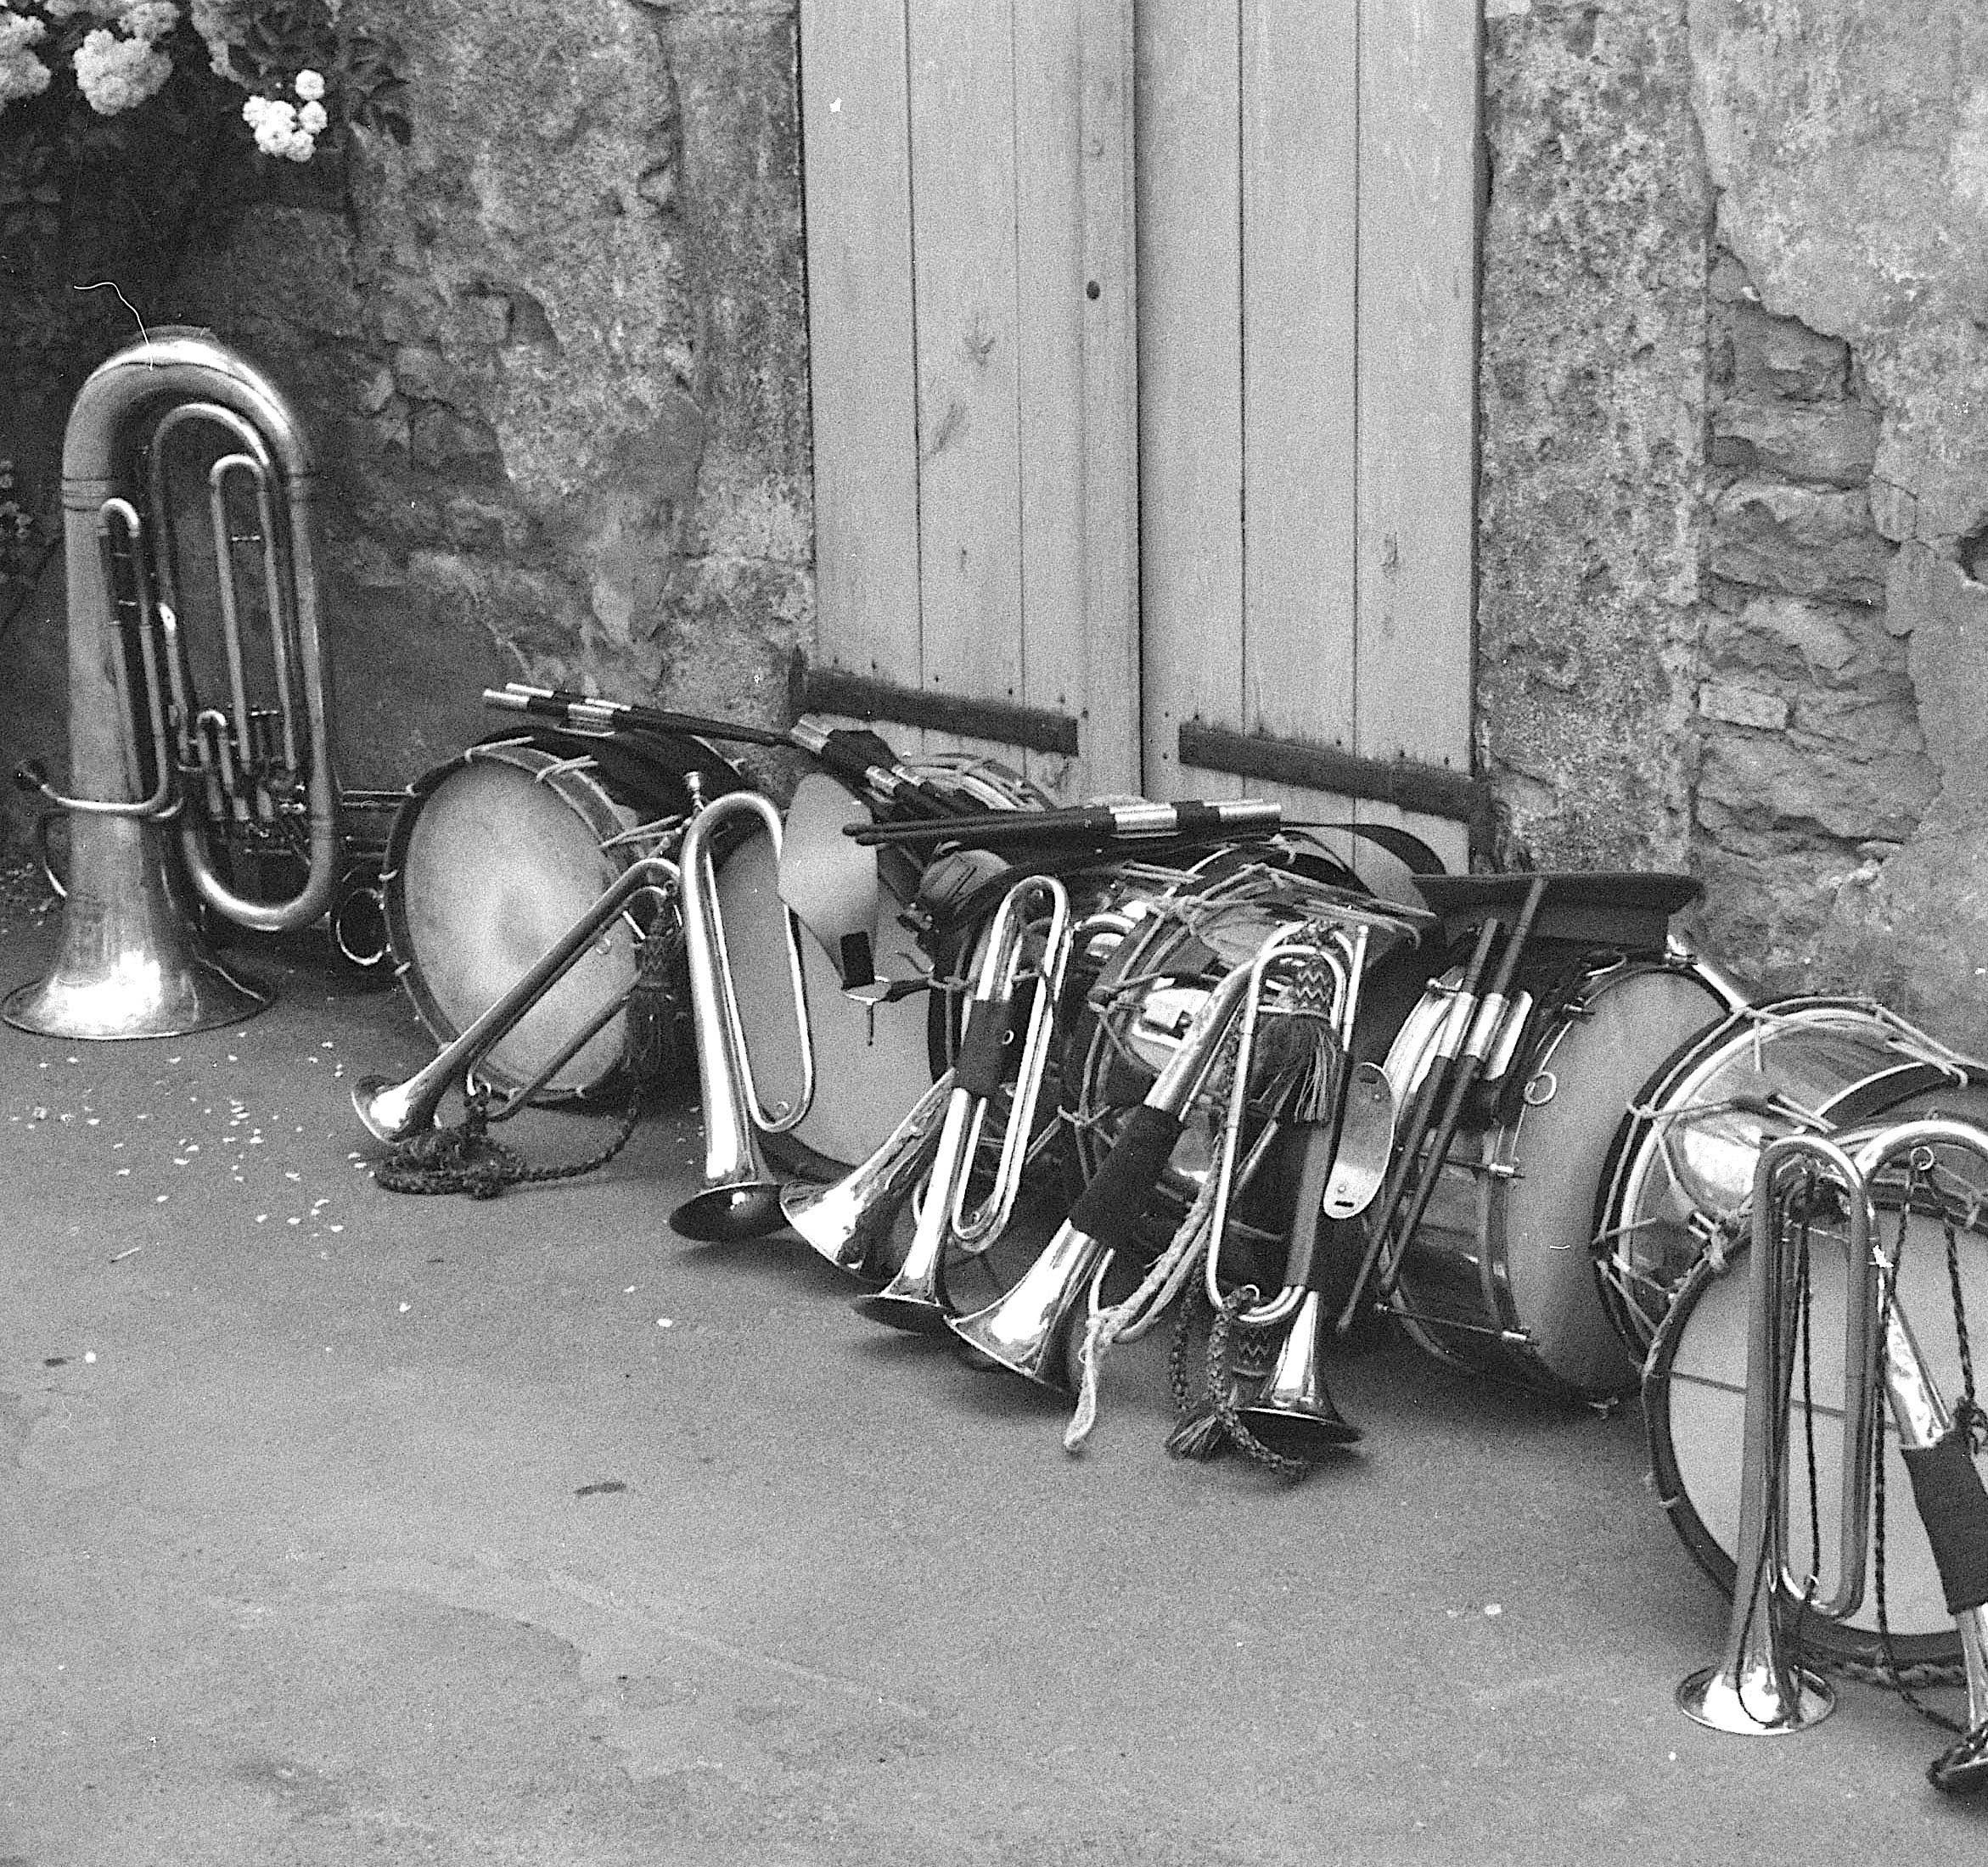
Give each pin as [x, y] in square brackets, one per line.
[339, 1527]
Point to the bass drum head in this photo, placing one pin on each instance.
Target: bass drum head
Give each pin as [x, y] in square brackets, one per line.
[1694, 1406]
[1684, 1160]
[491, 859]
[1507, 1245]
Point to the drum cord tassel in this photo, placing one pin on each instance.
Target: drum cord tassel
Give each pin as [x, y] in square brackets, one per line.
[468, 1159]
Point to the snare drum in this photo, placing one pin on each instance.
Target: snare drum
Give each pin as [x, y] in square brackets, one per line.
[1694, 1404]
[1681, 1167]
[495, 854]
[1498, 1276]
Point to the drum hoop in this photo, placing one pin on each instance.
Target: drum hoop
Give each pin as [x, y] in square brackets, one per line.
[1668, 1093]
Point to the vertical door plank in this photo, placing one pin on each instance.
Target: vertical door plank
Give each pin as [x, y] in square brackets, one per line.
[855, 131]
[1190, 369]
[963, 269]
[1109, 733]
[1417, 323]
[1301, 144]
[1049, 259]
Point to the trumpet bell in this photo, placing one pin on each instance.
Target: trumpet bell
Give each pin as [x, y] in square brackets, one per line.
[1028, 1331]
[1295, 1414]
[726, 1214]
[129, 966]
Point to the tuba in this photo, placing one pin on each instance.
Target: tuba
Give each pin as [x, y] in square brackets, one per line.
[241, 782]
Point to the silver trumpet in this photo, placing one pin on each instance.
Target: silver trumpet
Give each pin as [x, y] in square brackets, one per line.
[915, 1298]
[740, 1197]
[1027, 1329]
[1755, 1688]
[396, 1110]
[850, 1221]
[254, 776]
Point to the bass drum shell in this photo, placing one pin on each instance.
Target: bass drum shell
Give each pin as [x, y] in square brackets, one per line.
[1683, 1162]
[495, 854]
[871, 1064]
[1500, 1275]
[1694, 1408]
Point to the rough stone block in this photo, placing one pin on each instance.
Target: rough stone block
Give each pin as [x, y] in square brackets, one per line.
[1783, 357]
[1835, 443]
[1742, 706]
[1800, 541]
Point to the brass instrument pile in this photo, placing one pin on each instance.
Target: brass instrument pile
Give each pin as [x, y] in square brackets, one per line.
[1038, 1077]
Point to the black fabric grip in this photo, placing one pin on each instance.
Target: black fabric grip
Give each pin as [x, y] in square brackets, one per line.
[1191, 819]
[859, 964]
[982, 1063]
[1954, 1508]
[1113, 1203]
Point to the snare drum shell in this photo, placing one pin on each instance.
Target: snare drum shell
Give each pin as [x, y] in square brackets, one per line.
[1505, 1248]
[1694, 1408]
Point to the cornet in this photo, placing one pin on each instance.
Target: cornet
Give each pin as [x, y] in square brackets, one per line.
[254, 777]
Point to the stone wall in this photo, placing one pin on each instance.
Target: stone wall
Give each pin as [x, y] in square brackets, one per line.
[553, 357]
[1735, 412]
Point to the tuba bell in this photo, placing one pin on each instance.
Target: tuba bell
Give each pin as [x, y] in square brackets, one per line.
[242, 783]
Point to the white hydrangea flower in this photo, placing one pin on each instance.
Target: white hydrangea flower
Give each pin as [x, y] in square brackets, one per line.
[22, 74]
[60, 10]
[220, 24]
[150, 20]
[312, 118]
[309, 86]
[277, 130]
[114, 74]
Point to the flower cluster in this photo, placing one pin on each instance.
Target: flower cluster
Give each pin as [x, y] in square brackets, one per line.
[286, 129]
[17, 530]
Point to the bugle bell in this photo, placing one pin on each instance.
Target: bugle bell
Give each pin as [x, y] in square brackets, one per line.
[1027, 1329]
[915, 1298]
[850, 1221]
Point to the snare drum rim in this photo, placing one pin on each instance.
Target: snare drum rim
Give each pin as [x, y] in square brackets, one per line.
[1667, 1480]
[1631, 1158]
[565, 773]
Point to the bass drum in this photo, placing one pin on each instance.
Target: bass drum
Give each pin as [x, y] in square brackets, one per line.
[1168, 938]
[495, 854]
[1695, 1407]
[1499, 1275]
[1680, 1170]
[872, 1063]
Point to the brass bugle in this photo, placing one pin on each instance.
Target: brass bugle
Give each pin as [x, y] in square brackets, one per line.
[1027, 1329]
[850, 1221]
[1756, 1688]
[740, 1198]
[915, 1297]
[395, 1110]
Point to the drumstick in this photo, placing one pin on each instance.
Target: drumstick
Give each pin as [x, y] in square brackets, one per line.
[1450, 1037]
[1084, 823]
[1469, 1068]
[844, 753]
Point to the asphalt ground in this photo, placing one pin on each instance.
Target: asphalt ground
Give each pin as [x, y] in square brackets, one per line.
[340, 1526]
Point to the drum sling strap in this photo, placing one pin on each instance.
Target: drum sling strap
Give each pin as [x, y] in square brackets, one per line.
[467, 1159]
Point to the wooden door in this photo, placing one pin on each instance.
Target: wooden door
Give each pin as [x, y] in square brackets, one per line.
[969, 199]
[1142, 342]
[1306, 215]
